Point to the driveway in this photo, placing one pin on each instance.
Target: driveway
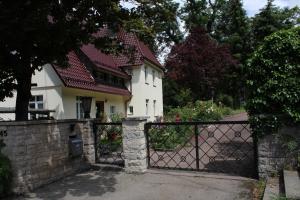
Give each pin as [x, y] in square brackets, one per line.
[107, 184]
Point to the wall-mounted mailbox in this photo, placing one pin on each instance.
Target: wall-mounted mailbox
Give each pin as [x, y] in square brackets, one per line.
[75, 146]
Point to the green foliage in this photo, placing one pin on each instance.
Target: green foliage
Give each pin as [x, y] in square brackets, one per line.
[110, 137]
[169, 137]
[225, 100]
[273, 81]
[175, 95]
[160, 18]
[202, 13]
[5, 173]
[115, 118]
[199, 111]
[271, 19]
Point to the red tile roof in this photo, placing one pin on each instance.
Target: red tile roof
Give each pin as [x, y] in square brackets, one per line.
[102, 61]
[77, 76]
[130, 39]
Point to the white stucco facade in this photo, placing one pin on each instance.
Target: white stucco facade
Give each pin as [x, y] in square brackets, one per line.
[146, 86]
[63, 101]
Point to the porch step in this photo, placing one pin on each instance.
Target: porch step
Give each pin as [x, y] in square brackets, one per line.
[291, 184]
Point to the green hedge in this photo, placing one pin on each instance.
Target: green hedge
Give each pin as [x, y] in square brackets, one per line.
[273, 81]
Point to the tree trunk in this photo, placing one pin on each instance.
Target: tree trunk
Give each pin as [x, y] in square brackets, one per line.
[23, 95]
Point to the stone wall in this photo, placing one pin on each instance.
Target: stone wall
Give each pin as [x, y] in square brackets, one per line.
[273, 154]
[134, 145]
[39, 150]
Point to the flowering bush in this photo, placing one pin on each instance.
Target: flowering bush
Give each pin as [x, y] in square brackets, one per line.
[199, 111]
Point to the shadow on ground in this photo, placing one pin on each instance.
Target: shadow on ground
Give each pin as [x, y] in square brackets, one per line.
[87, 184]
[235, 158]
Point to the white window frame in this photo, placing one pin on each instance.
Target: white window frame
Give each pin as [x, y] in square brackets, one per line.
[130, 110]
[146, 75]
[112, 110]
[35, 102]
[154, 108]
[79, 108]
[154, 77]
[147, 107]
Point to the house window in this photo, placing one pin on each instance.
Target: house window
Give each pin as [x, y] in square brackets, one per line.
[112, 110]
[153, 77]
[147, 107]
[131, 110]
[36, 102]
[79, 108]
[154, 107]
[146, 74]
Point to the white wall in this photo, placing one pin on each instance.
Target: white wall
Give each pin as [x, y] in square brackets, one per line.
[49, 85]
[69, 102]
[142, 90]
[63, 100]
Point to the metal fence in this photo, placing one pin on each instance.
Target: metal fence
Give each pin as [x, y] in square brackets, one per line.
[220, 147]
[108, 143]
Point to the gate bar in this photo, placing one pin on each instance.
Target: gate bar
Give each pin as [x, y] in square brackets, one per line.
[197, 147]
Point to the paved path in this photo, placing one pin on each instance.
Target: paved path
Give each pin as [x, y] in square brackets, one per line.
[238, 117]
[154, 185]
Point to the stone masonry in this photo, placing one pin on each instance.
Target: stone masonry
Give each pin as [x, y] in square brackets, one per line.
[273, 155]
[134, 145]
[39, 150]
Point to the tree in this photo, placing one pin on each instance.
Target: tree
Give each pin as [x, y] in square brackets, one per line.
[34, 33]
[201, 13]
[271, 19]
[160, 17]
[273, 81]
[199, 63]
[233, 29]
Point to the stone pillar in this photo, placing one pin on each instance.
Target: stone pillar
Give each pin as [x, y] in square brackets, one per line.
[88, 142]
[273, 154]
[134, 144]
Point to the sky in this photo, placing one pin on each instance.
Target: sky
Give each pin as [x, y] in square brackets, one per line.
[252, 6]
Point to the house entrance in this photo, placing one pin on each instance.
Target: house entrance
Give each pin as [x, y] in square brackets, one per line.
[219, 147]
[99, 109]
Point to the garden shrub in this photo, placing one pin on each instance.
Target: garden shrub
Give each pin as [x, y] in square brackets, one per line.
[199, 111]
[273, 83]
[5, 173]
[225, 99]
[172, 136]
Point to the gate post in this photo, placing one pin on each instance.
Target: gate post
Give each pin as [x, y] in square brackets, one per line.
[134, 144]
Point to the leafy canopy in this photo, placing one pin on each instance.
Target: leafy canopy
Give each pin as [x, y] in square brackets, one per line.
[199, 63]
[34, 33]
[274, 82]
[272, 18]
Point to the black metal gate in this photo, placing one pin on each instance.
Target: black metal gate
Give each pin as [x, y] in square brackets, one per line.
[108, 143]
[220, 147]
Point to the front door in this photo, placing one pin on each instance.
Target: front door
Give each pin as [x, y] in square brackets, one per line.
[99, 109]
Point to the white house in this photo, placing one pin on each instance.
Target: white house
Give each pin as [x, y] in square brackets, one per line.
[113, 84]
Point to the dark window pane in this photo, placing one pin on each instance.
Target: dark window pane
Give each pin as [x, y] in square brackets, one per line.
[39, 98]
